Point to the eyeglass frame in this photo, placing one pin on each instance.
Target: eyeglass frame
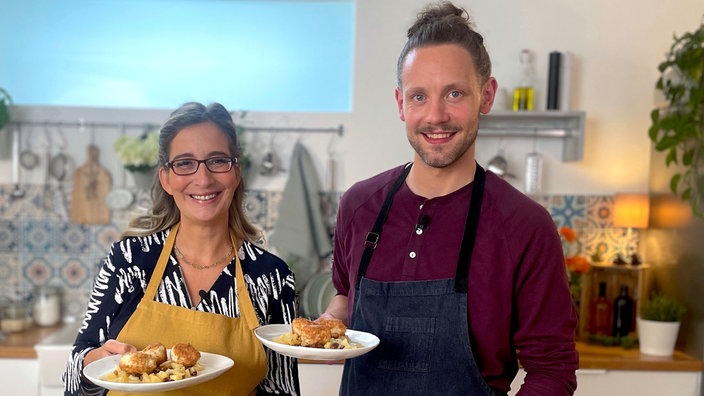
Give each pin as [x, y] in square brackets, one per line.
[233, 162]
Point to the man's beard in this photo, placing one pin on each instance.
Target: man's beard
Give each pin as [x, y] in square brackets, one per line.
[436, 160]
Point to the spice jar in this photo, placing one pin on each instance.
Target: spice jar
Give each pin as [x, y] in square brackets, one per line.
[47, 306]
[15, 317]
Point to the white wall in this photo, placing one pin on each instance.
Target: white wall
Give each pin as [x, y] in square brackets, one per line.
[617, 47]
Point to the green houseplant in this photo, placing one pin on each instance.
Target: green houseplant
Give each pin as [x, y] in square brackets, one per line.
[677, 128]
[5, 134]
[662, 308]
[5, 103]
[659, 324]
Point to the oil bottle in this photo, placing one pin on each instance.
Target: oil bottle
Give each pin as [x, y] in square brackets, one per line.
[523, 94]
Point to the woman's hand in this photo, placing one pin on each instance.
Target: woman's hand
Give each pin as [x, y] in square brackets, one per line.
[111, 347]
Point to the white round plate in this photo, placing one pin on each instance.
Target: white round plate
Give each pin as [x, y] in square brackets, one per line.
[266, 335]
[213, 366]
[119, 199]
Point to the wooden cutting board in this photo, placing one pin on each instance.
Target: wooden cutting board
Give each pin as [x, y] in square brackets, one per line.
[91, 183]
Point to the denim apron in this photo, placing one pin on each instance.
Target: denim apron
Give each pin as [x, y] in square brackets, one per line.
[425, 346]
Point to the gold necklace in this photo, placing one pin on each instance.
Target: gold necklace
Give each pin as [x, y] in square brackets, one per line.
[227, 257]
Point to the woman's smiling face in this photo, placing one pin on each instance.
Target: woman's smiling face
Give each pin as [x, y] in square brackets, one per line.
[204, 196]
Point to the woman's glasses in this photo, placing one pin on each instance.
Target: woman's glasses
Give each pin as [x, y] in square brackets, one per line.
[189, 166]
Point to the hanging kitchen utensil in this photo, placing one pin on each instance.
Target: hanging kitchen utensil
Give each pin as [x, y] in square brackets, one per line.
[91, 183]
[499, 165]
[120, 198]
[17, 192]
[44, 142]
[28, 158]
[534, 170]
[271, 164]
[59, 169]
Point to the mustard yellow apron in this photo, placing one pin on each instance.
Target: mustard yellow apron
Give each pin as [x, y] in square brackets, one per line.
[234, 337]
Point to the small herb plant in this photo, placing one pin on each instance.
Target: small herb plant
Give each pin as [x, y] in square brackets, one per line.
[678, 128]
[662, 308]
[140, 153]
[5, 103]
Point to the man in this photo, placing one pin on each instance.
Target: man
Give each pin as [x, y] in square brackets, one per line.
[459, 274]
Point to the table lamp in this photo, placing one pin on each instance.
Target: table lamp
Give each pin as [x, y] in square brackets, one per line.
[630, 211]
[669, 211]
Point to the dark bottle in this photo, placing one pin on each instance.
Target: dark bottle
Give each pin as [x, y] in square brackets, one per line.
[601, 313]
[623, 313]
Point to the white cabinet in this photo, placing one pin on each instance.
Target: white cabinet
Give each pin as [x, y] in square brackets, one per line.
[320, 379]
[324, 379]
[19, 377]
[594, 382]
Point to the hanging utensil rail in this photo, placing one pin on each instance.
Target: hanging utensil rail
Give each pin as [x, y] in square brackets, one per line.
[148, 126]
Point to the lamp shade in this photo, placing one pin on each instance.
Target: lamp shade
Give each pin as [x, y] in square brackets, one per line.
[669, 211]
[631, 210]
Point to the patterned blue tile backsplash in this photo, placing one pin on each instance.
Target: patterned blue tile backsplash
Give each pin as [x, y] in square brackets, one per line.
[39, 245]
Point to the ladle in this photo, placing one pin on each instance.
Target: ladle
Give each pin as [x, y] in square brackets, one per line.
[499, 165]
[17, 191]
[28, 158]
[271, 164]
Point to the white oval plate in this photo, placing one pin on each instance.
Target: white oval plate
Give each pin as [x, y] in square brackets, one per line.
[213, 366]
[266, 335]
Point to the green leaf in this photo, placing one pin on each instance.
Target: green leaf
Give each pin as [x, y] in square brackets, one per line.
[674, 182]
[687, 157]
[671, 157]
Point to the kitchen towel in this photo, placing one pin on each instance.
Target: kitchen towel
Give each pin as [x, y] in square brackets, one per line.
[300, 236]
[554, 81]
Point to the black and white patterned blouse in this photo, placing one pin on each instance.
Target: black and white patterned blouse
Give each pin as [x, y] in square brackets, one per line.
[124, 276]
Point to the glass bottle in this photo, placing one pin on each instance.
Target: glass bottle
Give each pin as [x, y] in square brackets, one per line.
[623, 313]
[601, 313]
[523, 94]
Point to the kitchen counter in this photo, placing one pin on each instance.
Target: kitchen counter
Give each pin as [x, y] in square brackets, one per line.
[615, 358]
[21, 345]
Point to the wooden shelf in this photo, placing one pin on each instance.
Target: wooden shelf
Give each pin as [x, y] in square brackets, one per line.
[565, 125]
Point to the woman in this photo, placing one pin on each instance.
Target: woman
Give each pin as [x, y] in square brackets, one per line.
[176, 275]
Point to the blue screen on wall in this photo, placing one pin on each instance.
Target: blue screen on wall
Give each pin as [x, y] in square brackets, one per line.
[254, 55]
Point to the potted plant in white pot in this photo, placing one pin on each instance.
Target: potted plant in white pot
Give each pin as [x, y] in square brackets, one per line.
[140, 156]
[658, 324]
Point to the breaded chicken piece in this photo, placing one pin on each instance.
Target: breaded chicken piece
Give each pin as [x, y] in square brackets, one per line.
[185, 354]
[337, 328]
[137, 362]
[157, 350]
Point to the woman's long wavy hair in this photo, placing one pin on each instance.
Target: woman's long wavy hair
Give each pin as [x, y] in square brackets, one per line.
[164, 212]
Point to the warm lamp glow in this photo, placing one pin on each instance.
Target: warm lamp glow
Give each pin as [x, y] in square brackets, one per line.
[631, 210]
[668, 211]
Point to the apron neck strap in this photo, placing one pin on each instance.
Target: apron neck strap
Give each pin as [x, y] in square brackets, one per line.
[158, 273]
[244, 301]
[470, 232]
[468, 239]
[373, 236]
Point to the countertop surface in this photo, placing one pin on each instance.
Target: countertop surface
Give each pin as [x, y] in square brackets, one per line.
[21, 345]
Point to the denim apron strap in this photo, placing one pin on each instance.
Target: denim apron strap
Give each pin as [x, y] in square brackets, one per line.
[373, 236]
